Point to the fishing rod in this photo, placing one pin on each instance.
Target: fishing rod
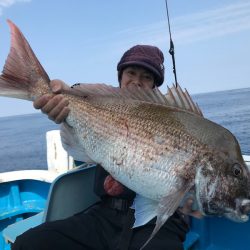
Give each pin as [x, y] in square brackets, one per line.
[171, 50]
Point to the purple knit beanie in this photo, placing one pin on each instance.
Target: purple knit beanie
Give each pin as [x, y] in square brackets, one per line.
[147, 56]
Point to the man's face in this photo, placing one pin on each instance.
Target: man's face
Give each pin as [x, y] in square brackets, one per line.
[137, 76]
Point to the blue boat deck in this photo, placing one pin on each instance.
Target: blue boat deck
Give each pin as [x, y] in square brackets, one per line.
[19, 200]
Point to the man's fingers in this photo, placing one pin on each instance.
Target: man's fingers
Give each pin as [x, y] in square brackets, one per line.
[62, 116]
[112, 186]
[197, 214]
[58, 86]
[187, 206]
[41, 101]
[51, 104]
[54, 105]
[188, 210]
[58, 108]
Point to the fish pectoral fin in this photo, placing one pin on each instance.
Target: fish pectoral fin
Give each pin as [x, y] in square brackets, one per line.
[72, 144]
[165, 208]
[145, 210]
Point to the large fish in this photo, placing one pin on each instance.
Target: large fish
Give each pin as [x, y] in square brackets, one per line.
[159, 146]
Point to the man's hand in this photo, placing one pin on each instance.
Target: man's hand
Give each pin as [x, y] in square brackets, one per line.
[187, 208]
[54, 105]
[112, 186]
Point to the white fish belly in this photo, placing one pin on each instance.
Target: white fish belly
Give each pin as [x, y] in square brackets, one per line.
[130, 156]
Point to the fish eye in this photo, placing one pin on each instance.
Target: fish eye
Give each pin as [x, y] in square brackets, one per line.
[237, 169]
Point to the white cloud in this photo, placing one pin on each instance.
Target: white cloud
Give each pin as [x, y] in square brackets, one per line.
[226, 20]
[8, 3]
[194, 27]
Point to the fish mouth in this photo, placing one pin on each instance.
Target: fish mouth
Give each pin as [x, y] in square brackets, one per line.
[211, 208]
[237, 217]
[241, 212]
[245, 206]
[238, 214]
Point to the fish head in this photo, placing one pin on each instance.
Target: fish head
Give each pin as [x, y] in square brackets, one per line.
[222, 187]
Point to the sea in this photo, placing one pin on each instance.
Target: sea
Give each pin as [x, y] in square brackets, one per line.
[23, 137]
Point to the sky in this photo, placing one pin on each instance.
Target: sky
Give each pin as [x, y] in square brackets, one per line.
[82, 40]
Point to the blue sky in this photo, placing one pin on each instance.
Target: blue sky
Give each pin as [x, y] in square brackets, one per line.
[82, 40]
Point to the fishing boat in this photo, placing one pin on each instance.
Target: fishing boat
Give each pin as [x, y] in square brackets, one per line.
[30, 197]
[24, 193]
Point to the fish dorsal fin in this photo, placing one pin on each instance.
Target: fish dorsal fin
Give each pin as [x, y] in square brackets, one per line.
[93, 89]
[96, 90]
[175, 96]
[180, 99]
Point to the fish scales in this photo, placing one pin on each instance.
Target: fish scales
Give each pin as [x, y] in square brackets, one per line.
[136, 133]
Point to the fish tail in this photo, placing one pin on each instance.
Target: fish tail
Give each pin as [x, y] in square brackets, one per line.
[23, 76]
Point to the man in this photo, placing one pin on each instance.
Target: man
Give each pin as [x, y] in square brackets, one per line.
[107, 224]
